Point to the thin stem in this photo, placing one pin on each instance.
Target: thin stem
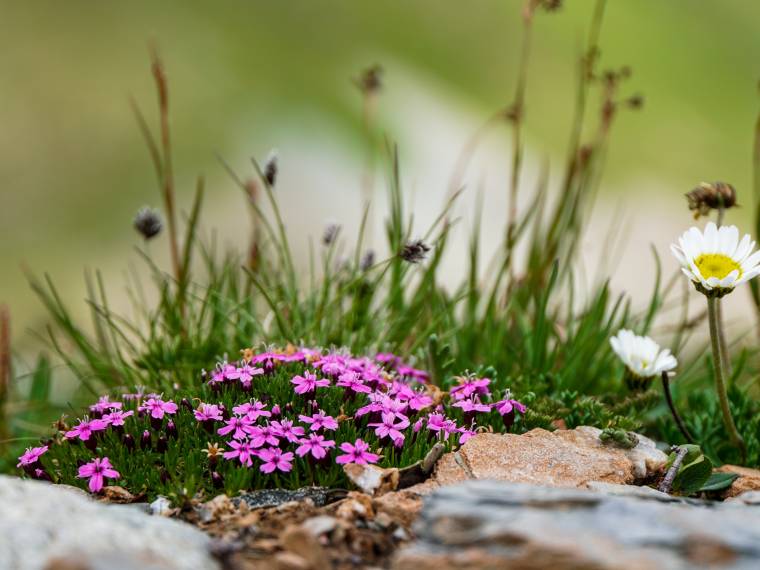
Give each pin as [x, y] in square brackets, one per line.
[721, 326]
[720, 379]
[673, 411]
[667, 483]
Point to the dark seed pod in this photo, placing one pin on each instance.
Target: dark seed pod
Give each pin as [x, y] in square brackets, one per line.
[270, 168]
[414, 251]
[148, 222]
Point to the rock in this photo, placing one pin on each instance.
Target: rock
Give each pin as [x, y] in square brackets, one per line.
[356, 505]
[748, 480]
[489, 524]
[299, 541]
[49, 526]
[748, 498]
[642, 492]
[265, 498]
[372, 479]
[162, 507]
[567, 458]
[319, 525]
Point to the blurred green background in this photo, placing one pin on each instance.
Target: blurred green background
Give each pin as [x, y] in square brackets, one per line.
[246, 76]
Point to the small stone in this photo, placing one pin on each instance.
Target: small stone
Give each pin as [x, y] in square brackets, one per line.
[372, 479]
[356, 505]
[320, 525]
[748, 480]
[162, 507]
[298, 540]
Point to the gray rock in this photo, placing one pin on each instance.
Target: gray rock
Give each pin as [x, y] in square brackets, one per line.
[488, 524]
[45, 526]
[266, 498]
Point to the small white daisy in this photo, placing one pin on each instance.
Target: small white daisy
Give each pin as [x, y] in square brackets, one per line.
[716, 261]
[642, 357]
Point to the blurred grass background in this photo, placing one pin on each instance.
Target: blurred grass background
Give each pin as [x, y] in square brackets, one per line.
[247, 76]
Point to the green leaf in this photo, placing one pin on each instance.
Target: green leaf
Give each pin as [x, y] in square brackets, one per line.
[693, 476]
[719, 481]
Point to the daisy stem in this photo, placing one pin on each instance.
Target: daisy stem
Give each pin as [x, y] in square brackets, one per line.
[713, 304]
[721, 328]
[673, 411]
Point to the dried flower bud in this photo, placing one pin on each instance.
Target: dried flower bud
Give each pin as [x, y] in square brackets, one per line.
[367, 261]
[148, 222]
[414, 251]
[370, 82]
[270, 168]
[706, 197]
[330, 234]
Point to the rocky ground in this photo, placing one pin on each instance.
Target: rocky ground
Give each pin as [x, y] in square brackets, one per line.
[560, 500]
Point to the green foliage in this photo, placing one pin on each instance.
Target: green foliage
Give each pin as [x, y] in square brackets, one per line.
[694, 471]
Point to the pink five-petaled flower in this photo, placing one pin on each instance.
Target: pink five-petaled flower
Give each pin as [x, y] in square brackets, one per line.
[85, 428]
[286, 429]
[208, 412]
[471, 387]
[308, 383]
[240, 426]
[31, 456]
[507, 405]
[357, 453]
[243, 450]
[245, 374]
[316, 444]
[97, 470]
[104, 404]
[264, 434]
[465, 434]
[319, 421]
[157, 407]
[116, 418]
[472, 405]
[352, 381]
[252, 410]
[273, 458]
[389, 428]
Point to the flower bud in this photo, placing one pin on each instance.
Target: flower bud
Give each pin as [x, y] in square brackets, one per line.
[128, 441]
[145, 442]
[216, 479]
[148, 222]
[162, 444]
[171, 429]
[711, 196]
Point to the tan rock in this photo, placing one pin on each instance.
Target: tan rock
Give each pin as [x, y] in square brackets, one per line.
[301, 542]
[355, 505]
[372, 479]
[748, 480]
[567, 458]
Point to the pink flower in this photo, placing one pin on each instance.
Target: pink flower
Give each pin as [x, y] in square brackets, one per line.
[157, 407]
[316, 444]
[420, 401]
[274, 458]
[263, 434]
[472, 405]
[357, 453]
[286, 429]
[351, 381]
[243, 450]
[240, 426]
[471, 387]
[85, 429]
[116, 418]
[507, 405]
[245, 374]
[308, 383]
[388, 427]
[31, 456]
[252, 410]
[332, 364]
[435, 422]
[465, 435]
[412, 373]
[104, 404]
[208, 412]
[319, 421]
[97, 470]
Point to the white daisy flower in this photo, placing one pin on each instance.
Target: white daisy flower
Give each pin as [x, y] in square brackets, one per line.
[716, 261]
[642, 357]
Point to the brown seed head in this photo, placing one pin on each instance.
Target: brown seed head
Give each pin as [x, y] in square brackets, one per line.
[711, 196]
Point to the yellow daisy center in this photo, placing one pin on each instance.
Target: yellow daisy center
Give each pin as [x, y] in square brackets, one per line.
[716, 265]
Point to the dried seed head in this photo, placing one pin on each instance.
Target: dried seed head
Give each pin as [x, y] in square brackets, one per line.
[270, 168]
[148, 222]
[711, 196]
[330, 234]
[414, 251]
[370, 81]
[367, 261]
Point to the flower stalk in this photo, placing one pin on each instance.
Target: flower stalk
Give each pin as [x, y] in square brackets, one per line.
[673, 410]
[713, 304]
